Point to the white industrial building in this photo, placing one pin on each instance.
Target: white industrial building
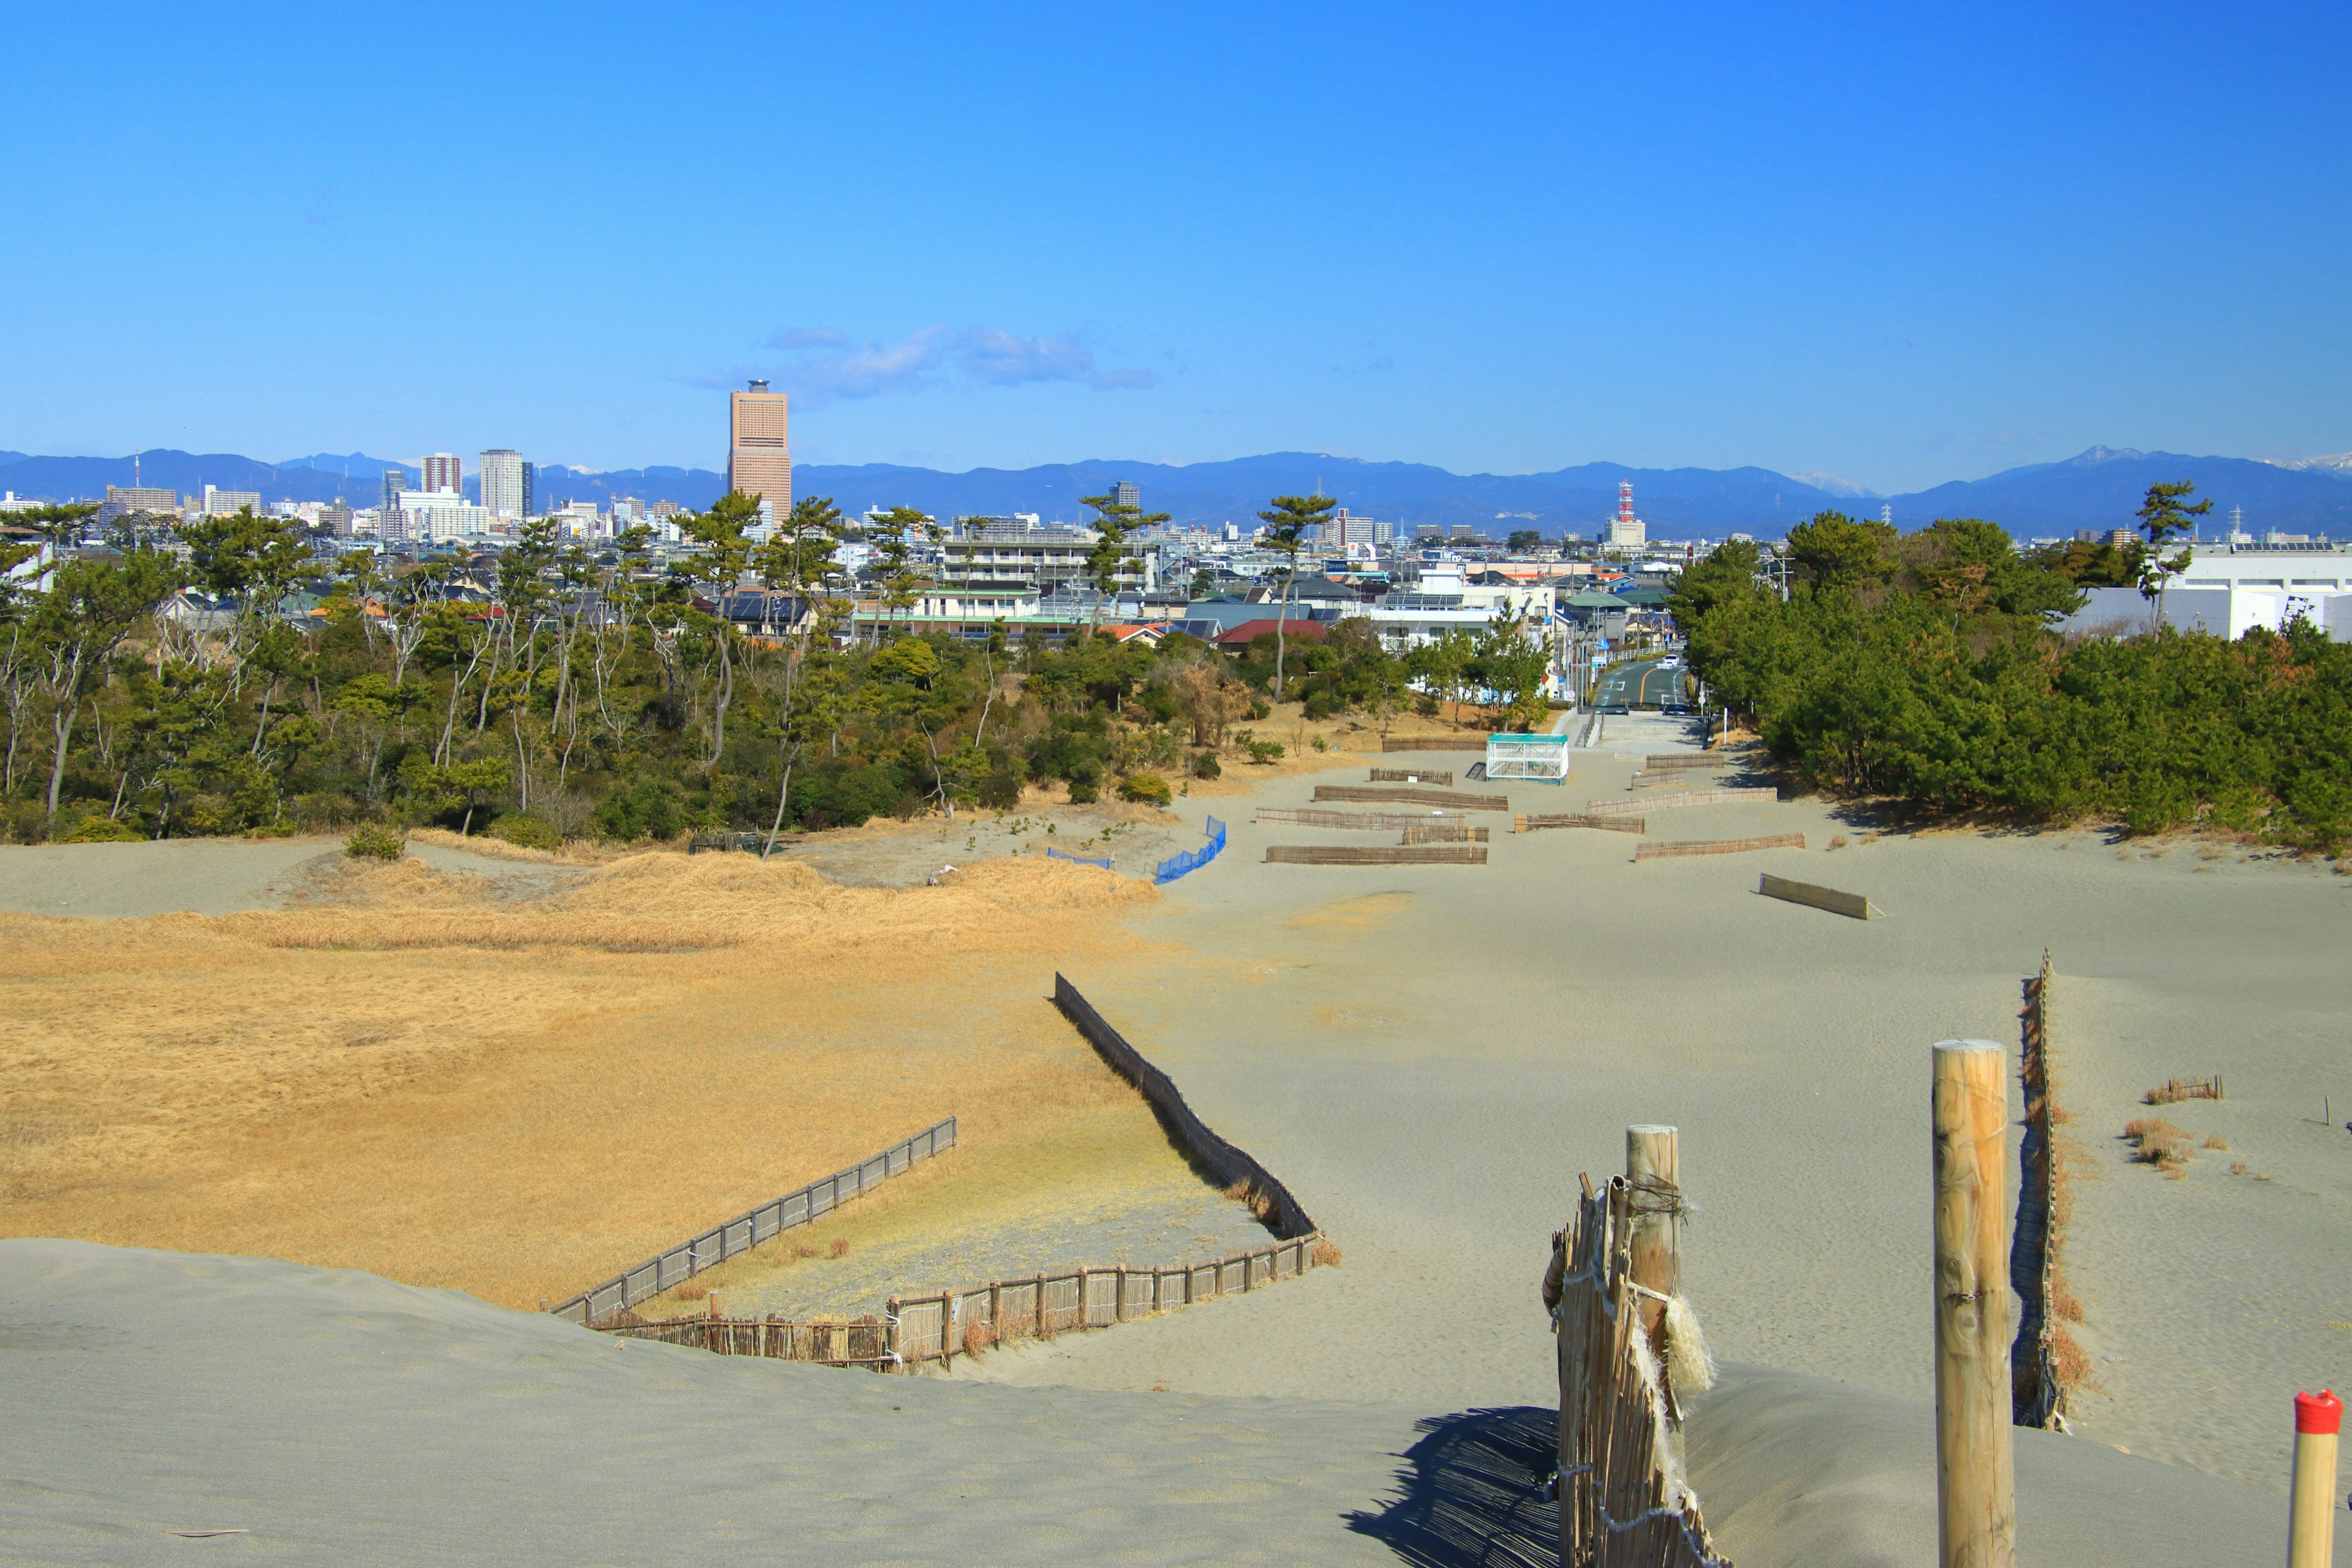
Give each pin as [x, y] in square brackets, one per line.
[2229, 591]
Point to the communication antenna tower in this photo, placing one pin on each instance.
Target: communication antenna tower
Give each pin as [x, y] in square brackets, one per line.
[1886, 514]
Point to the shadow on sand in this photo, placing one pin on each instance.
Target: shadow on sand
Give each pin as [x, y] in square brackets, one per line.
[1471, 1493]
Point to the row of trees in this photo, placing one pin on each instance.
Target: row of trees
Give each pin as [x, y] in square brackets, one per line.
[544, 692]
[1923, 667]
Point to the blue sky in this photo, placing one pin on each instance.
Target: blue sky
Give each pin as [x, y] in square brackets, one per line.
[1901, 244]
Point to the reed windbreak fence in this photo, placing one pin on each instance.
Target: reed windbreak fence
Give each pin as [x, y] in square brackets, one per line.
[1191, 861]
[2037, 1397]
[1622, 1501]
[1231, 1166]
[1394, 855]
[746, 1231]
[1441, 776]
[1442, 798]
[1356, 821]
[1667, 848]
[1529, 822]
[1616, 807]
[1433, 743]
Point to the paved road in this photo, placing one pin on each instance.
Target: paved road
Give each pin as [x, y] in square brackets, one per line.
[1649, 682]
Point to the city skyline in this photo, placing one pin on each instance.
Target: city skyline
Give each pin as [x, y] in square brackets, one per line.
[1897, 248]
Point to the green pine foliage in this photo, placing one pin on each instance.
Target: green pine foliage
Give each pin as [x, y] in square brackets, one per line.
[548, 692]
[1921, 669]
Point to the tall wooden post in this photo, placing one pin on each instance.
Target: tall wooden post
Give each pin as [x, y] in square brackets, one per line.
[1975, 1472]
[2311, 1506]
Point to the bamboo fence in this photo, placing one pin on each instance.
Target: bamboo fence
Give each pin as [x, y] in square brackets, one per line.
[1351, 855]
[1414, 775]
[1231, 1166]
[1621, 1500]
[1443, 833]
[746, 1231]
[1433, 743]
[1412, 797]
[1689, 797]
[1366, 821]
[2037, 1397]
[1530, 822]
[1673, 847]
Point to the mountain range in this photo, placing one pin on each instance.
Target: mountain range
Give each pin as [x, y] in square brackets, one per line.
[2099, 489]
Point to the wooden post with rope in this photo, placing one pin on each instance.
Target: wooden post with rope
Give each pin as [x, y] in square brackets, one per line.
[1976, 1491]
[1654, 1172]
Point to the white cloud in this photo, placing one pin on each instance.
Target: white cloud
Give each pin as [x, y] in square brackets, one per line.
[825, 366]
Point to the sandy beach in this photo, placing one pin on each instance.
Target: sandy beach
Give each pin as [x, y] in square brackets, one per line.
[1428, 1056]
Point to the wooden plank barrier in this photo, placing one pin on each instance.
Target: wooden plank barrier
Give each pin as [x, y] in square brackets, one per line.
[1529, 822]
[1401, 855]
[1434, 744]
[1852, 904]
[1443, 833]
[1689, 797]
[1413, 798]
[1670, 848]
[1414, 775]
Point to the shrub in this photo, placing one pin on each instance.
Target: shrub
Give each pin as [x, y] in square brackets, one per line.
[1264, 751]
[646, 809]
[270, 830]
[1259, 708]
[1001, 790]
[529, 831]
[101, 830]
[1205, 766]
[1326, 1253]
[368, 843]
[1148, 789]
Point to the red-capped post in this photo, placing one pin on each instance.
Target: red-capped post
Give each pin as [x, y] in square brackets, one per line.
[2311, 1509]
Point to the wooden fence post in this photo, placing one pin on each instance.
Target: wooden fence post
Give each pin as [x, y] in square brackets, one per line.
[1975, 1465]
[1654, 1172]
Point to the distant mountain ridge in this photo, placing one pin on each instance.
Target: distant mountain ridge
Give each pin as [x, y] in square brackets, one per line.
[2100, 488]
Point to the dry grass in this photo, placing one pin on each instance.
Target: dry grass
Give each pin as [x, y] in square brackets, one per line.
[1837, 841]
[2237, 1167]
[439, 1083]
[1326, 1253]
[2158, 1142]
[2173, 1090]
[2067, 1360]
[2215, 1141]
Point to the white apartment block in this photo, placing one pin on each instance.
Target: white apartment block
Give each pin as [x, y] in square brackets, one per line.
[219, 503]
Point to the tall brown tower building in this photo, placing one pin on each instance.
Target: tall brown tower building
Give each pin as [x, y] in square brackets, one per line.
[759, 453]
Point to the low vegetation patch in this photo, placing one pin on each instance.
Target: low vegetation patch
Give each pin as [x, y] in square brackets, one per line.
[374, 844]
[2156, 1142]
[2173, 1090]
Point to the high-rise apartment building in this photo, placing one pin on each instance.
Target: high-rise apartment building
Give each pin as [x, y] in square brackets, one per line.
[219, 503]
[506, 483]
[395, 481]
[1126, 493]
[444, 472]
[759, 450]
